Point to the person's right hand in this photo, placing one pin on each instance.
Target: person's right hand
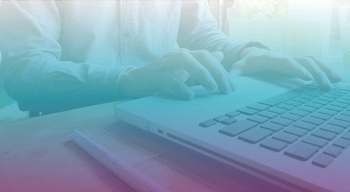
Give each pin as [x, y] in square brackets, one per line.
[162, 73]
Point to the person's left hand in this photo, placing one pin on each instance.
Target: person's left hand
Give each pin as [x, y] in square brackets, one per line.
[255, 60]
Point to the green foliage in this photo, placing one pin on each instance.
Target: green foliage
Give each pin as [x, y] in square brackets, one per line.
[262, 9]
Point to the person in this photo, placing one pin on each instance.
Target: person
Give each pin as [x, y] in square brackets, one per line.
[61, 55]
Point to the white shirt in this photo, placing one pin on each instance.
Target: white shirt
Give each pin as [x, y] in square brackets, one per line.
[60, 55]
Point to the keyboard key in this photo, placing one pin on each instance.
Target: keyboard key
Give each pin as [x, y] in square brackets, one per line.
[314, 105]
[228, 121]
[207, 123]
[333, 151]
[306, 108]
[342, 105]
[268, 114]
[295, 131]
[273, 145]
[341, 91]
[347, 113]
[331, 96]
[293, 103]
[307, 97]
[322, 160]
[299, 112]
[345, 88]
[342, 118]
[321, 92]
[288, 138]
[320, 102]
[324, 135]
[342, 143]
[299, 100]
[277, 110]
[344, 101]
[301, 151]
[281, 121]
[254, 135]
[321, 116]
[326, 99]
[291, 117]
[346, 135]
[328, 112]
[273, 101]
[339, 123]
[334, 108]
[315, 141]
[286, 107]
[337, 93]
[238, 127]
[311, 86]
[305, 125]
[233, 113]
[259, 107]
[314, 94]
[332, 128]
[220, 118]
[258, 119]
[272, 126]
[313, 120]
[248, 111]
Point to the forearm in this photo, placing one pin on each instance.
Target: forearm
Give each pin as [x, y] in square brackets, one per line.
[199, 30]
[44, 84]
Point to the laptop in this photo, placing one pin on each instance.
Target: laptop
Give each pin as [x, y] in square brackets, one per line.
[283, 130]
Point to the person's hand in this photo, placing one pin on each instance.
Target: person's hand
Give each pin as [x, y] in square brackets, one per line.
[170, 72]
[255, 60]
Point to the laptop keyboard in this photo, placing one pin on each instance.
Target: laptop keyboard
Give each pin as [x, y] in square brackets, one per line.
[306, 123]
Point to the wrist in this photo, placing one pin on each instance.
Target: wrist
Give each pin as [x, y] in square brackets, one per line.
[123, 82]
[248, 51]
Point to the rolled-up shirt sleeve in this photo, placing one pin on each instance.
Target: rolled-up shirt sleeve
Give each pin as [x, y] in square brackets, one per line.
[199, 31]
[31, 70]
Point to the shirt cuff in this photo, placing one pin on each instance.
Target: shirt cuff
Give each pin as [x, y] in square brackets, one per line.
[109, 83]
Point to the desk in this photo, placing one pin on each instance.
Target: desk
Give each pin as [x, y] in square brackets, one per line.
[38, 155]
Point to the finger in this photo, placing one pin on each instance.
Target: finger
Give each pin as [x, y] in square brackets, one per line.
[292, 67]
[320, 77]
[333, 77]
[218, 55]
[185, 60]
[171, 82]
[215, 68]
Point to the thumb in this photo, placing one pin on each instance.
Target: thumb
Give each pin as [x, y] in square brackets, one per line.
[218, 55]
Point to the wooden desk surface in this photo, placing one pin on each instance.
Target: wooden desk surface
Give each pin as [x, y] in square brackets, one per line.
[38, 155]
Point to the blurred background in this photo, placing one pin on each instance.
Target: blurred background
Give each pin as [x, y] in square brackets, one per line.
[295, 27]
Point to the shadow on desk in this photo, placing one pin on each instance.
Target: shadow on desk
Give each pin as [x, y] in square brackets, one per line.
[172, 166]
[109, 179]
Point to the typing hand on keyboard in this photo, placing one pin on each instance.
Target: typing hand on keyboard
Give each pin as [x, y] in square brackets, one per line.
[163, 73]
[255, 60]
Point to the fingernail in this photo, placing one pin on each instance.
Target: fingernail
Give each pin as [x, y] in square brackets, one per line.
[308, 76]
[232, 85]
[227, 87]
[337, 76]
[328, 84]
[212, 86]
[188, 95]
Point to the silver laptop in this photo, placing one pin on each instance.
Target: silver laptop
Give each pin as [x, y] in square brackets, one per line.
[285, 131]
